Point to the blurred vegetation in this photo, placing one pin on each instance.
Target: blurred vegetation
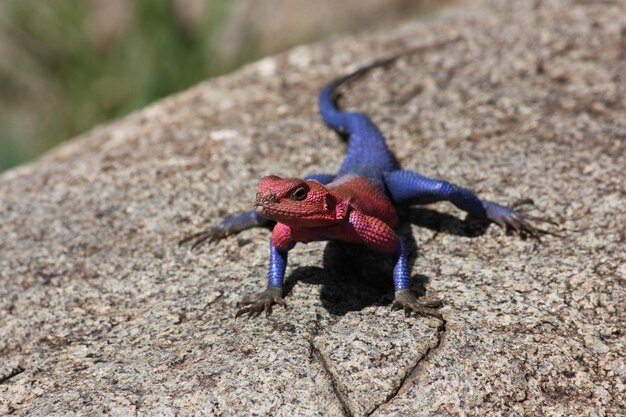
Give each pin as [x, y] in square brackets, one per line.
[56, 67]
[67, 65]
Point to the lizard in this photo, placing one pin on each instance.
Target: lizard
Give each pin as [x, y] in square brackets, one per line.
[357, 205]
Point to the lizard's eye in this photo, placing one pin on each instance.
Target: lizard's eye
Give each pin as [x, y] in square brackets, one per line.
[299, 194]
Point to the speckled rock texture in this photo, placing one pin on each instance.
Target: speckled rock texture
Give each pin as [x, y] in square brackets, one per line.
[101, 313]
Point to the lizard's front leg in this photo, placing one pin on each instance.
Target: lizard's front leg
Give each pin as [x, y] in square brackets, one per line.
[379, 236]
[273, 294]
[404, 297]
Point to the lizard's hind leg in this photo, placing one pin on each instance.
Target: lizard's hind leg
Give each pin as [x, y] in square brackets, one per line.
[413, 188]
[227, 227]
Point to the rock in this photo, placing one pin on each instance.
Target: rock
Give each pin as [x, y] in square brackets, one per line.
[102, 313]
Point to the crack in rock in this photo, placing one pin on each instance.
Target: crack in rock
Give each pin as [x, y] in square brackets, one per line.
[319, 357]
[412, 374]
[12, 373]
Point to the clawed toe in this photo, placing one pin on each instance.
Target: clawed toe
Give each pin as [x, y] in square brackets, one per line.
[417, 309]
[206, 236]
[430, 302]
[254, 306]
[406, 300]
[522, 202]
[519, 223]
[516, 219]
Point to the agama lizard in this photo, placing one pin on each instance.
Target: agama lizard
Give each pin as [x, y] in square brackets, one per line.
[357, 205]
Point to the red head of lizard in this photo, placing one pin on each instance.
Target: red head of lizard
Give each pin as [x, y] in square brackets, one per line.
[299, 203]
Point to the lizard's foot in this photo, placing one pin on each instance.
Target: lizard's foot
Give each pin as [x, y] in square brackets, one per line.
[210, 235]
[264, 301]
[514, 218]
[226, 227]
[406, 300]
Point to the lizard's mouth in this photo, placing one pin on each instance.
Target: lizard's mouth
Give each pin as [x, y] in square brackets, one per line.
[293, 218]
[271, 207]
[263, 203]
[274, 212]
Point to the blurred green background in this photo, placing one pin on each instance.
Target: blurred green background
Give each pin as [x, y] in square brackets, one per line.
[67, 65]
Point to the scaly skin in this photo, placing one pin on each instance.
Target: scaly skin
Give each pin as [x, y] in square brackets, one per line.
[357, 205]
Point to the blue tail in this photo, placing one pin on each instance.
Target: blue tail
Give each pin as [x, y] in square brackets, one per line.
[366, 145]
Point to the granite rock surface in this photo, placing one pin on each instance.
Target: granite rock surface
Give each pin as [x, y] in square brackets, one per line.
[101, 313]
